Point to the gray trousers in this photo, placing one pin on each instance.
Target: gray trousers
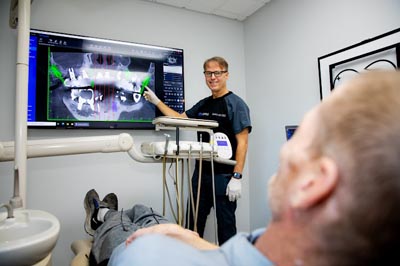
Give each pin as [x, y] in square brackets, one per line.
[118, 225]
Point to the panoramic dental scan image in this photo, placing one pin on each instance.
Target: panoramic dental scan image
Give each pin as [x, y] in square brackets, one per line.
[98, 87]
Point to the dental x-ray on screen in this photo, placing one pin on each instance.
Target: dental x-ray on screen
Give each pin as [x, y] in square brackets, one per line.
[84, 82]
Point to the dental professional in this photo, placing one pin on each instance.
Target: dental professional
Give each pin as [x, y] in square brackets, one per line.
[334, 199]
[233, 117]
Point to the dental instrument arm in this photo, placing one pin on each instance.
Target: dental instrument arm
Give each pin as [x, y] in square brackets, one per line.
[175, 231]
[80, 145]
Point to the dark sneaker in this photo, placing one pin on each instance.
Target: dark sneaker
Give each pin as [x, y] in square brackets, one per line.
[91, 204]
[111, 201]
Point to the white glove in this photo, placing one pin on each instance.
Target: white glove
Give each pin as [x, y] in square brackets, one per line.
[150, 96]
[234, 189]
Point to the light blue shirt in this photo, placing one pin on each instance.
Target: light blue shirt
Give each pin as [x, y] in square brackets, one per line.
[157, 249]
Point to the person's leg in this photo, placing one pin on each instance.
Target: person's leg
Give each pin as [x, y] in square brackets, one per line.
[116, 228]
[225, 218]
[119, 225]
[144, 216]
[108, 226]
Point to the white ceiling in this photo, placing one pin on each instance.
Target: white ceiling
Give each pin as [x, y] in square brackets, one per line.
[233, 9]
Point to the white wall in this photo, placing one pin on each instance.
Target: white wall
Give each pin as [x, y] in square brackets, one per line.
[58, 184]
[283, 41]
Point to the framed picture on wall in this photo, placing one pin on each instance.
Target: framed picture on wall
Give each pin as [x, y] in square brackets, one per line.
[380, 52]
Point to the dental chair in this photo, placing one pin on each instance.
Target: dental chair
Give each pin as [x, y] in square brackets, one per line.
[81, 249]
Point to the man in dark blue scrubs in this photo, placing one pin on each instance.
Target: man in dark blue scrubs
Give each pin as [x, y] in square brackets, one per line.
[233, 117]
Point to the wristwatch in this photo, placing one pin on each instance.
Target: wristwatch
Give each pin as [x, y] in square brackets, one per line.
[237, 175]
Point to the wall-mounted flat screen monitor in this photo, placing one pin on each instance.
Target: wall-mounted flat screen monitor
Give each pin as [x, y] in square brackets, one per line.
[84, 82]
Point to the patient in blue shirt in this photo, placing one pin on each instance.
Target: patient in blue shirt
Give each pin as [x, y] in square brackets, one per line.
[334, 199]
[152, 249]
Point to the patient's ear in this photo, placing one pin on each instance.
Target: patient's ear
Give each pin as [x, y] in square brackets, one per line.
[316, 185]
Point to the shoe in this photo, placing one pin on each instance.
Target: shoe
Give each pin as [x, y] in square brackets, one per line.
[92, 205]
[111, 201]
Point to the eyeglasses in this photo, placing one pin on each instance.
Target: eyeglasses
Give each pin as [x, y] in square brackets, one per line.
[217, 74]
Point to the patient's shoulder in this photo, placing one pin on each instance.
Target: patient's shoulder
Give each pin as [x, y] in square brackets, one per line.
[157, 249]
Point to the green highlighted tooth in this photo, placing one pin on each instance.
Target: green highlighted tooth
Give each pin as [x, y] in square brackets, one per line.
[145, 82]
[56, 72]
